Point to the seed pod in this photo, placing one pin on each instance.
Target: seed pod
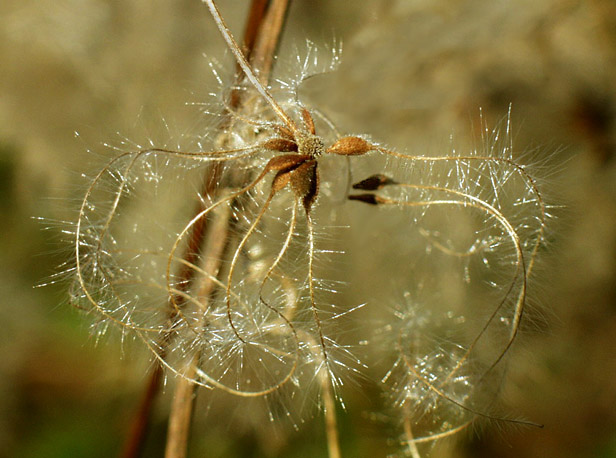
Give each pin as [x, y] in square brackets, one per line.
[350, 146]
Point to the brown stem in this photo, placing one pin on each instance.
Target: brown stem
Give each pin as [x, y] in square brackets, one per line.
[261, 38]
[185, 392]
[264, 24]
[267, 40]
[138, 429]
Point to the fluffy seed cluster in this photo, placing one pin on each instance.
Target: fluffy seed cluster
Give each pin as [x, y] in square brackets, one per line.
[222, 271]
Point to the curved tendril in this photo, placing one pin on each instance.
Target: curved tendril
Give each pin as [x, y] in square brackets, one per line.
[443, 395]
[442, 435]
[281, 253]
[190, 299]
[211, 382]
[79, 263]
[196, 218]
[97, 252]
[520, 264]
[283, 250]
[520, 267]
[245, 238]
[498, 160]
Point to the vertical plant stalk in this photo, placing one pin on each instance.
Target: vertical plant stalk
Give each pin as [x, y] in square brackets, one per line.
[178, 431]
[185, 393]
[262, 34]
[133, 446]
[329, 407]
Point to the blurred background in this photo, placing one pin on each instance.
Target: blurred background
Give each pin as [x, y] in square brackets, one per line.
[413, 73]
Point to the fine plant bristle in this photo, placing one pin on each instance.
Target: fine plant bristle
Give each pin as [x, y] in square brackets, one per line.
[218, 259]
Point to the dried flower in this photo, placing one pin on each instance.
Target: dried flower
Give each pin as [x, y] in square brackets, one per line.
[231, 295]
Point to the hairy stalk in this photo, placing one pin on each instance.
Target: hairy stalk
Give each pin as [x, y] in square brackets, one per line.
[331, 427]
[262, 33]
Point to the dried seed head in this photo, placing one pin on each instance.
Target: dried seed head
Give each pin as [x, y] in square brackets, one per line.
[310, 144]
[260, 328]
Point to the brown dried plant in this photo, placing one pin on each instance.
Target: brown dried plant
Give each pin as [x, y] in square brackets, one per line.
[229, 297]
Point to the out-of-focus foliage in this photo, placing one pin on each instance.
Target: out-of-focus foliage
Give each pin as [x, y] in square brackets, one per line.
[411, 74]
